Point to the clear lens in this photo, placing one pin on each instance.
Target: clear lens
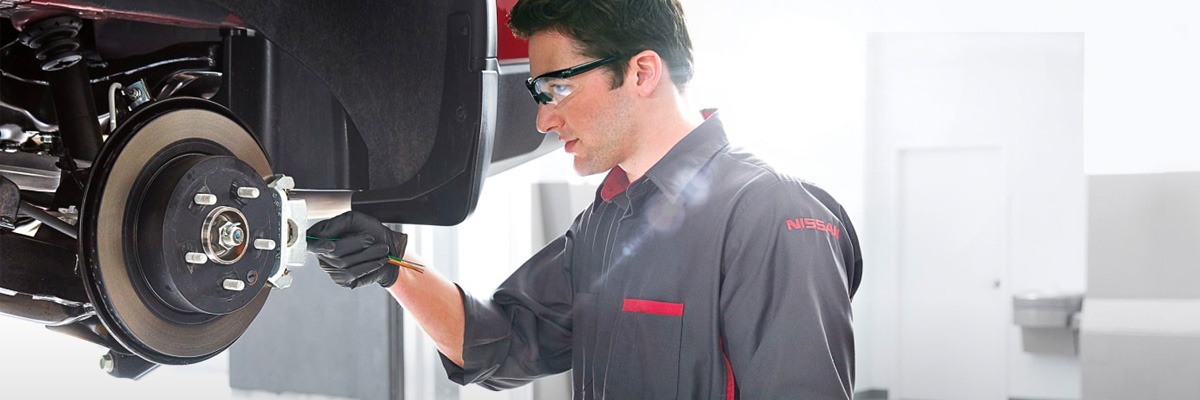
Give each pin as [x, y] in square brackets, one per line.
[555, 88]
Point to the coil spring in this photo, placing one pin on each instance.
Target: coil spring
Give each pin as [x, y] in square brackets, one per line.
[54, 41]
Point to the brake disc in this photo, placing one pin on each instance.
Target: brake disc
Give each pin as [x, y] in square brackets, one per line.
[179, 232]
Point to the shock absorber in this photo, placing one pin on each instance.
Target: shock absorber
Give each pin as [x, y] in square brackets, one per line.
[56, 44]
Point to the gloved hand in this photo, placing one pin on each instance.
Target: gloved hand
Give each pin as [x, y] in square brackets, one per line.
[353, 249]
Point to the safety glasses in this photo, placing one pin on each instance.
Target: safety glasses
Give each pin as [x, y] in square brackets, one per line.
[552, 87]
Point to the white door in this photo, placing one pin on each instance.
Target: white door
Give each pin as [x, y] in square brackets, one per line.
[952, 230]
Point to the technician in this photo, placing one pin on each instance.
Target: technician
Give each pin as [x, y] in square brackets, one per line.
[698, 272]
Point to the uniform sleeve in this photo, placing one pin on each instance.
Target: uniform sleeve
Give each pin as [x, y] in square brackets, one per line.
[524, 330]
[785, 295]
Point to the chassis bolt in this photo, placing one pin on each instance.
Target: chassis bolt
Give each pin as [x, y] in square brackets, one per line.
[264, 244]
[233, 285]
[107, 364]
[206, 199]
[196, 258]
[247, 192]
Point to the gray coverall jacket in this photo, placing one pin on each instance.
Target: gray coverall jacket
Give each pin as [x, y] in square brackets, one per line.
[713, 277]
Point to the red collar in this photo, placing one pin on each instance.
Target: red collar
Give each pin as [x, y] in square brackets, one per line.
[615, 183]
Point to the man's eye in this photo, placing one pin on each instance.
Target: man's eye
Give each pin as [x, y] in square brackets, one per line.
[560, 89]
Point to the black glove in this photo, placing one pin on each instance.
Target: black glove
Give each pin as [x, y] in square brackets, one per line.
[353, 249]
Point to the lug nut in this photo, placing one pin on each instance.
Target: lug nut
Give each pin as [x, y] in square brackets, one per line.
[206, 199]
[233, 285]
[264, 244]
[247, 192]
[196, 258]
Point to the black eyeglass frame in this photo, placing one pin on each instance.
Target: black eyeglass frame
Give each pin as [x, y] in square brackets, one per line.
[564, 73]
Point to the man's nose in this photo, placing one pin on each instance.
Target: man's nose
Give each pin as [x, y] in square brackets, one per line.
[548, 119]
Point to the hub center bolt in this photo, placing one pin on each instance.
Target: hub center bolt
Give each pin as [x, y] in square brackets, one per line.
[232, 235]
[224, 235]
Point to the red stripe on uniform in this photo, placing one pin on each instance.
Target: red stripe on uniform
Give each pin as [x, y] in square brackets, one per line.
[652, 307]
[730, 383]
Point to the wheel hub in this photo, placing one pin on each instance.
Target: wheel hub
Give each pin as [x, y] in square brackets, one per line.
[192, 231]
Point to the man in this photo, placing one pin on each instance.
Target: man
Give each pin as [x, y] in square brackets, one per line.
[697, 272]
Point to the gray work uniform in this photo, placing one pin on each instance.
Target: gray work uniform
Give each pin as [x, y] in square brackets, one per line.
[713, 277]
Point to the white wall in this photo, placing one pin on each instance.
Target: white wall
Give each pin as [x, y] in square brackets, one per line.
[1143, 86]
[1019, 96]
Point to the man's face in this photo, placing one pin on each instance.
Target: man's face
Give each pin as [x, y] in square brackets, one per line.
[594, 122]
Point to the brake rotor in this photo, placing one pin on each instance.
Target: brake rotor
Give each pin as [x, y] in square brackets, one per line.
[168, 230]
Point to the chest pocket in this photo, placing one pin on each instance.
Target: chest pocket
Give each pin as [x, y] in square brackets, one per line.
[646, 345]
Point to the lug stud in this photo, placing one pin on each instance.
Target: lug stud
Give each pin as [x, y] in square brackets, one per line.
[233, 285]
[247, 192]
[264, 244]
[196, 258]
[206, 199]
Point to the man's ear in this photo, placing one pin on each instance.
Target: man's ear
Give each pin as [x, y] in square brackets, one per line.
[646, 72]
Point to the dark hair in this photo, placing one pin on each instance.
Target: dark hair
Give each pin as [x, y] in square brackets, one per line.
[613, 27]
